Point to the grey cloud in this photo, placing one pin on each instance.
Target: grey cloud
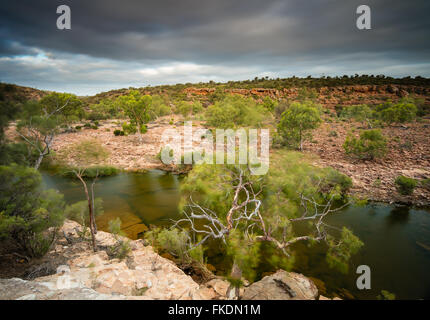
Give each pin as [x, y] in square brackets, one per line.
[271, 37]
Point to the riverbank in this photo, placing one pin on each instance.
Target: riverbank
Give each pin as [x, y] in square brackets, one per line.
[408, 154]
[72, 270]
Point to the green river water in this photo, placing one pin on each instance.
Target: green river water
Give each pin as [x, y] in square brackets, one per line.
[396, 239]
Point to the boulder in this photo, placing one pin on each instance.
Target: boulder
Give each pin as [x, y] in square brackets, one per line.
[282, 285]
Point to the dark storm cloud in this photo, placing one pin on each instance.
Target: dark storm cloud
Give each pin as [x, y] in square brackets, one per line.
[271, 36]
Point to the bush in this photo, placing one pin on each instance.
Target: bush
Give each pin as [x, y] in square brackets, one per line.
[122, 248]
[371, 144]
[184, 108]
[405, 185]
[79, 211]
[29, 215]
[296, 123]
[360, 113]
[397, 113]
[129, 128]
[236, 111]
[118, 132]
[173, 241]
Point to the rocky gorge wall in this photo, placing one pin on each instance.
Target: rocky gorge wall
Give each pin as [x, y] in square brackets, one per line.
[82, 274]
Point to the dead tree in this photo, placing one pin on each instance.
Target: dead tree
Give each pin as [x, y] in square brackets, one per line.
[91, 203]
[245, 212]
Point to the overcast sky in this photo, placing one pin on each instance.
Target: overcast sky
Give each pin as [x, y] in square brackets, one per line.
[122, 43]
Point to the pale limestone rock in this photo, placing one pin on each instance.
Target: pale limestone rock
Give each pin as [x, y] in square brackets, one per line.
[274, 287]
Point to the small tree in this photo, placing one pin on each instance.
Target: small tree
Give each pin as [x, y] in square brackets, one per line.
[41, 121]
[29, 215]
[297, 121]
[137, 108]
[88, 154]
[371, 144]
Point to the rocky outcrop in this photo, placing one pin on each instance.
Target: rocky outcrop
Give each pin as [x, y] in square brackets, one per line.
[144, 275]
[282, 285]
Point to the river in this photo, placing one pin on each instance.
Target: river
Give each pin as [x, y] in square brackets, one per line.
[396, 239]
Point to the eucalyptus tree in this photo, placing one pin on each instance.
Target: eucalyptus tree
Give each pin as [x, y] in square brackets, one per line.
[297, 122]
[137, 107]
[41, 120]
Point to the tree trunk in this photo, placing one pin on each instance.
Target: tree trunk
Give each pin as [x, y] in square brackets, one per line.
[38, 161]
[235, 274]
[91, 213]
[140, 135]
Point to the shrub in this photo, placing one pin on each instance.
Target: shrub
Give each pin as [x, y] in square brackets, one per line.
[184, 108]
[122, 248]
[397, 113]
[360, 113]
[29, 216]
[296, 123]
[129, 128]
[173, 241]
[118, 132]
[236, 111]
[79, 211]
[405, 185]
[371, 144]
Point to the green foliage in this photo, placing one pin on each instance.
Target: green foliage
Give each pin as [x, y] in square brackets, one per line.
[137, 108]
[87, 153]
[184, 108]
[371, 144]
[269, 104]
[128, 128]
[115, 227]
[29, 216]
[197, 107]
[360, 113]
[405, 185]
[158, 108]
[307, 94]
[71, 105]
[246, 255]
[290, 176]
[121, 249]
[79, 211]
[89, 172]
[397, 113]
[340, 252]
[173, 241]
[105, 109]
[235, 111]
[118, 132]
[386, 295]
[296, 123]
[17, 153]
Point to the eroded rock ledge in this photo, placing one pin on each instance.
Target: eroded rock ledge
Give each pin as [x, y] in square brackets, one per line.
[144, 275]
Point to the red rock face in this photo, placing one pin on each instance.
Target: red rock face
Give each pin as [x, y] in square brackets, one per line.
[330, 96]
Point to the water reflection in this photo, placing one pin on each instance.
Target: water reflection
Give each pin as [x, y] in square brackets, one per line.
[399, 214]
